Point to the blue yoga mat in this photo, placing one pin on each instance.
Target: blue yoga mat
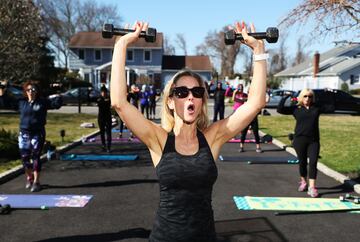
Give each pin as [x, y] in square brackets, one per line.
[44, 201]
[118, 130]
[91, 157]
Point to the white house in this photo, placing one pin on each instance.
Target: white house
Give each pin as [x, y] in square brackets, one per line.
[327, 70]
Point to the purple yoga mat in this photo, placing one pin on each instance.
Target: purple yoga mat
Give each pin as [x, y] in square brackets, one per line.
[39, 201]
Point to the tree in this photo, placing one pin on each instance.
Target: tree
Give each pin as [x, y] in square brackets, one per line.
[169, 49]
[63, 18]
[20, 39]
[181, 42]
[278, 60]
[300, 55]
[215, 47]
[331, 16]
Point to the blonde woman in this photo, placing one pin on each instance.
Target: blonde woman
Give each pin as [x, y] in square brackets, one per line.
[306, 138]
[183, 149]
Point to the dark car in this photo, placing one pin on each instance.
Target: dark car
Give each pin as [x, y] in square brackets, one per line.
[276, 96]
[87, 96]
[335, 101]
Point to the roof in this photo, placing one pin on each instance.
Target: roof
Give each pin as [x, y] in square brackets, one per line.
[95, 40]
[178, 62]
[332, 63]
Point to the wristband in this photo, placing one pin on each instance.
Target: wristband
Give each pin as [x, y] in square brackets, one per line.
[261, 57]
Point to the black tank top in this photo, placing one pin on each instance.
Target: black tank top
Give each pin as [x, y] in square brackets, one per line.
[185, 212]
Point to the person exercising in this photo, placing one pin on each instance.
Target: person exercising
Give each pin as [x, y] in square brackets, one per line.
[33, 111]
[104, 119]
[184, 148]
[306, 140]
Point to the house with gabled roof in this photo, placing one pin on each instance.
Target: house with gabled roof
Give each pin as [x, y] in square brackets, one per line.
[327, 70]
[91, 56]
[173, 63]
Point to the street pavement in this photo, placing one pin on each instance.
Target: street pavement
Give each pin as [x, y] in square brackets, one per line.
[126, 196]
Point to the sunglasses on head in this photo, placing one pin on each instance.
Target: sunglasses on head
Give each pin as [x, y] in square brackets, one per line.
[183, 92]
[309, 96]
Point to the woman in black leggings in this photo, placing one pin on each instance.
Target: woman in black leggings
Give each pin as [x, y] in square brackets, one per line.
[306, 139]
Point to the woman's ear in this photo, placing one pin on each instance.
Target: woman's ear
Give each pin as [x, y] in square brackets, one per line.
[170, 103]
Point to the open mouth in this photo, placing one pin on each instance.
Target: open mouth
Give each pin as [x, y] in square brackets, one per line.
[191, 108]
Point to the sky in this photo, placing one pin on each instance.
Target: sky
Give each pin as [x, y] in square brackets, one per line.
[195, 18]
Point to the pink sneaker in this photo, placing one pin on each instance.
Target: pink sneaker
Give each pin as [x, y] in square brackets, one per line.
[312, 191]
[302, 186]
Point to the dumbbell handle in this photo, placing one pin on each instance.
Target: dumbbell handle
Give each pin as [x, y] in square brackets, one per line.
[119, 31]
[257, 35]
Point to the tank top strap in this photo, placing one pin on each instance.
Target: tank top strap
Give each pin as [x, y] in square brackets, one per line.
[202, 140]
[170, 143]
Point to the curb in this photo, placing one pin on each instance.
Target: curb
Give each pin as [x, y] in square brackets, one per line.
[321, 167]
[18, 170]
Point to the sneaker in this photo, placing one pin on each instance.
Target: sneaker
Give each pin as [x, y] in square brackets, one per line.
[35, 187]
[259, 150]
[241, 149]
[302, 186]
[120, 135]
[312, 192]
[28, 184]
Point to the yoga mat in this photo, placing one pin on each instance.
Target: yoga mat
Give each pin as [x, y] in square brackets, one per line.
[91, 157]
[275, 162]
[42, 201]
[238, 141]
[118, 130]
[260, 160]
[124, 140]
[292, 203]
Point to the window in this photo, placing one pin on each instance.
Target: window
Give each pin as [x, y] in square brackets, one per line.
[354, 79]
[81, 54]
[147, 55]
[130, 55]
[98, 55]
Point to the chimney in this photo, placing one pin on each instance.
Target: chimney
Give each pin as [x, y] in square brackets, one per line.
[316, 63]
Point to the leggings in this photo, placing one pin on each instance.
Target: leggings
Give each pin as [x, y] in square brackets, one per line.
[105, 126]
[146, 109]
[306, 147]
[152, 106]
[30, 146]
[218, 109]
[255, 128]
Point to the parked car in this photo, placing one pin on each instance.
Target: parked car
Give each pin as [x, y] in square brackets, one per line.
[276, 95]
[335, 101]
[87, 96]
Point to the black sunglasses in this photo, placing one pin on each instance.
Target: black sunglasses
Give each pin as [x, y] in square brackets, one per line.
[309, 96]
[183, 92]
[33, 89]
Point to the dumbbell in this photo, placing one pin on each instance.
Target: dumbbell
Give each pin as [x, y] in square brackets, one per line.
[271, 35]
[109, 31]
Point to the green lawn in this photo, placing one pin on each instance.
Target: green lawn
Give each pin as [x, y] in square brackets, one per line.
[339, 139]
[55, 122]
[339, 135]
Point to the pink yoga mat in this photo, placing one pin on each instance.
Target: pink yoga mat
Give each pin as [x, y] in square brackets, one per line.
[125, 140]
[238, 141]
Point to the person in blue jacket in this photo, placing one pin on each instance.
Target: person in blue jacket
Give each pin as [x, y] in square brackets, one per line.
[33, 111]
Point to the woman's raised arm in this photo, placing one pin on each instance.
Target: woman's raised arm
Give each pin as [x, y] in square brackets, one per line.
[147, 131]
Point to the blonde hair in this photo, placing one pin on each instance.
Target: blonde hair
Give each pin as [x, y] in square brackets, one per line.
[167, 115]
[303, 92]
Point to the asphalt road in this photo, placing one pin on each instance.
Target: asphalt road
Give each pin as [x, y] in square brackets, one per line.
[126, 196]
